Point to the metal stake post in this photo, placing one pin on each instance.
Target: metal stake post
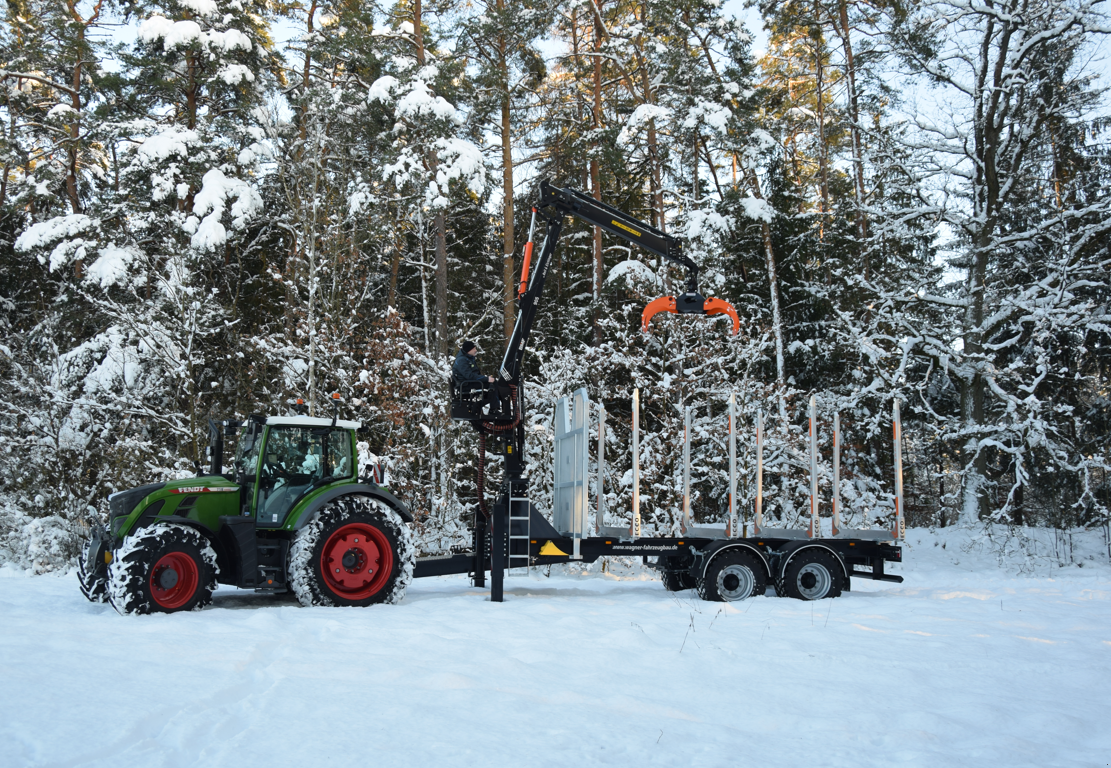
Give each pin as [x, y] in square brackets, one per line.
[634, 529]
[814, 529]
[758, 520]
[731, 530]
[601, 516]
[686, 524]
[836, 505]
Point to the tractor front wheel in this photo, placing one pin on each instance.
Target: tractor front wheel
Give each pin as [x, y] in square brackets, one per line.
[92, 573]
[356, 552]
[162, 569]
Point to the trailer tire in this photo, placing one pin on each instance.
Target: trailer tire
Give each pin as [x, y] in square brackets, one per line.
[333, 559]
[733, 575]
[812, 574]
[676, 581]
[164, 568]
[675, 573]
[94, 581]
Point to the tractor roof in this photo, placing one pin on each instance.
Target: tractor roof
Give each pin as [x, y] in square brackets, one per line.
[308, 421]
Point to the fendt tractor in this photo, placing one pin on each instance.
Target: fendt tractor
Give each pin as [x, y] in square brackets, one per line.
[294, 514]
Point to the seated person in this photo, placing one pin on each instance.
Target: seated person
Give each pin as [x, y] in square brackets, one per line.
[465, 369]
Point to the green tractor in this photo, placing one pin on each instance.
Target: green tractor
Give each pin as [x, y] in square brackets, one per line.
[292, 514]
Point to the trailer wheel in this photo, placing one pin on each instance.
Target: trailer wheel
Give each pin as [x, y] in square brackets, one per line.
[356, 552]
[813, 574]
[165, 568]
[674, 573]
[732, 575]
[677, 581]
[93, 578]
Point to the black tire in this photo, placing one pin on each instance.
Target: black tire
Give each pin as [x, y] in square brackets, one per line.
[733, 575]
[813, 574]
[675, 573]
[165, 568]
[94, 579]
[677, 581]
[359, 528]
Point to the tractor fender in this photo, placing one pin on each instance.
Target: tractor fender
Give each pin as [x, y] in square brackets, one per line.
[788, 551]
[356, 489]
[715, 549]
[196, 525]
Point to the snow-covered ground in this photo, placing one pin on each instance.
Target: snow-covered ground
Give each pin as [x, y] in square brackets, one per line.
[971, 662]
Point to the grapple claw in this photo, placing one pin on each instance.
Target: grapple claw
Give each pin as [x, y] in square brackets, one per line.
[656, 306]
[722, 307]
[689, 304]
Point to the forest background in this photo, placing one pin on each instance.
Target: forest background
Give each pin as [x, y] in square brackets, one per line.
[213, 207]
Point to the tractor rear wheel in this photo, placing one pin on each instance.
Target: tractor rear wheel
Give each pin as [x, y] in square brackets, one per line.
[356, 552]
[162, 569]
[92, 573]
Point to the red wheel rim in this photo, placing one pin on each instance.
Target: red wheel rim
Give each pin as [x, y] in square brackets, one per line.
[174, 580]
[356, 561]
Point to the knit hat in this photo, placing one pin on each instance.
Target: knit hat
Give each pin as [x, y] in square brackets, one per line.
[468, 346]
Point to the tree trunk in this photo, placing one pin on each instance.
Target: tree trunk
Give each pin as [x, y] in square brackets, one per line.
[855, 133]
[439, 221]
[595, 177]
[777, 317]
[508, 272]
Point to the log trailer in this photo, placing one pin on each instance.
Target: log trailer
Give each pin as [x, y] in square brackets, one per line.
[719, 563]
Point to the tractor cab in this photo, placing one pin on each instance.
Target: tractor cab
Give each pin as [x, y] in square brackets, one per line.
[293, 457]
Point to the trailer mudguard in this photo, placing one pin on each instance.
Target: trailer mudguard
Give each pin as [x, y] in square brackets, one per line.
[788, 551]
[360, 489]
[715, 549]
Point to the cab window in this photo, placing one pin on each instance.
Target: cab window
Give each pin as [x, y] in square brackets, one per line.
[294, 461]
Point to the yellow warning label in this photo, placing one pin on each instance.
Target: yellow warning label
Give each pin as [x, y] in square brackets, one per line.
[619, 225]
[551, 549]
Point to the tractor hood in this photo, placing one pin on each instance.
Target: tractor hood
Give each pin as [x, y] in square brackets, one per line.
[122, 503]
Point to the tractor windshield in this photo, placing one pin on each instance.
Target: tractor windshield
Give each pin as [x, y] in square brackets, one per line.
[295, 460]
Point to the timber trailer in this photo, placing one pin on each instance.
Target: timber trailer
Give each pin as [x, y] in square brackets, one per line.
[719, 563]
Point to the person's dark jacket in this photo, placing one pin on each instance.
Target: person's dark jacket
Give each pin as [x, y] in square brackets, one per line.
[465, 368]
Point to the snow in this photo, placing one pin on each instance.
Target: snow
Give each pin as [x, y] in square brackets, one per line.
[45, 232]
[111, 265]
[233, 74]
[757, 209]
[185, 33]
[216, 189]
[965, 664]
[380, 89]
[202, 7]
[420, 102]
[173, 141]
[171, 33]
[632, 270]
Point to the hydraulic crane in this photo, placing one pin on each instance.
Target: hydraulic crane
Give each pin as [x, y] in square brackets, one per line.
[505, 422]
[721, 564]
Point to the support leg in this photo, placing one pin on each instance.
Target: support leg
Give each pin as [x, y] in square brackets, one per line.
[479, 542]
[497, 548]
